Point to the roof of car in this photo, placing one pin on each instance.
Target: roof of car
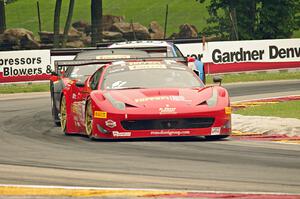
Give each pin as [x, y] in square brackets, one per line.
[146, 43]
[111, 54]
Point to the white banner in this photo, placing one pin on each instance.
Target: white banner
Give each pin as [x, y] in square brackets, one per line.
[29, 63]
[279, 50]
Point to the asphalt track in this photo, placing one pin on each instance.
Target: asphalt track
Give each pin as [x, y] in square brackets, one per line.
[34, 152]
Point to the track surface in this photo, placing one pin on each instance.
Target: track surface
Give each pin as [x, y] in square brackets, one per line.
[33, 151]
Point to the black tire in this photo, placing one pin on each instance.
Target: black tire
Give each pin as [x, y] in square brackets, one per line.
[55, 112]
[216, 137]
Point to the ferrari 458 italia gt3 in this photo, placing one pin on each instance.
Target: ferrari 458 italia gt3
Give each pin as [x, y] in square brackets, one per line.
[144, 98]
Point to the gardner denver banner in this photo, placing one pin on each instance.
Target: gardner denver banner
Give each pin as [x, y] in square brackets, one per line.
[29, 65]
[236, 56]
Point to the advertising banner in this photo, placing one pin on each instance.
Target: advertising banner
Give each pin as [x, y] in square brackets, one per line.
[29, 65]
[236, 56]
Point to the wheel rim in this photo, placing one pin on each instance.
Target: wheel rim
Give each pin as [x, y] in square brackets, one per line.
[63, 114]
[89, 119]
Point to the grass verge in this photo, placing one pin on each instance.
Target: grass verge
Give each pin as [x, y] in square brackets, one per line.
[261, 76]
[288, 109]
[24, 88]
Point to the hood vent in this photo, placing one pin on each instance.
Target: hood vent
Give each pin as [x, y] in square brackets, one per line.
[202, 103]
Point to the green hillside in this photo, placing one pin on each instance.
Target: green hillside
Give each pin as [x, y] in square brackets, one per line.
[23, 13]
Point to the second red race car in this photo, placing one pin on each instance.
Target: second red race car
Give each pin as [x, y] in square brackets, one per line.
[144, 98]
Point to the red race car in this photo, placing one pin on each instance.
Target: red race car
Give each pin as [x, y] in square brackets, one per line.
[144, 98]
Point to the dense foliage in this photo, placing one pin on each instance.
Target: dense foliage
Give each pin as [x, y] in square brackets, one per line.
[253, 19]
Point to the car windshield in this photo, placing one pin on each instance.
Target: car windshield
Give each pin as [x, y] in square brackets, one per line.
[83, 72]
[156, 75]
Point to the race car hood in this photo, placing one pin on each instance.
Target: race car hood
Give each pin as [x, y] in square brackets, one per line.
[156, 98]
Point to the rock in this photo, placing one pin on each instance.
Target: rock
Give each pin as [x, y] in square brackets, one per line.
[112, 35]
[109, 20]
[155, 30]
[75, 44]
[47, 37]
[173, 36]
[187, 31]
[128, 31]
[81, 25]
[18, 38]
[87, 40]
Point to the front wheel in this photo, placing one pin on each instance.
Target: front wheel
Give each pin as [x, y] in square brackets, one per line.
[89, 119]
[216, 137]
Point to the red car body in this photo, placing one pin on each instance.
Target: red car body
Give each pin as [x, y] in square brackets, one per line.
[91, 108]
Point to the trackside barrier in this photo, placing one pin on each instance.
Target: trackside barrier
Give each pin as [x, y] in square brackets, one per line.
[218, 57]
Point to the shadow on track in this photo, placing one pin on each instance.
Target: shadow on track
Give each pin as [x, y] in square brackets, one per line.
[152, 139]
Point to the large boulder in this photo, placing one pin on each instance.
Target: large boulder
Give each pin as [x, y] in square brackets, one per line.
[75, 44]
[109, 20]
[155, 30]
[187, 31]
[112, 35]
[131, 31]
[48, 37]
[82, 26]
[18, 38]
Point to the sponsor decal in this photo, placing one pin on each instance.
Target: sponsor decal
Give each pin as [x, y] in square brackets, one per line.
[100, 114]
[215, 130]
[121, 134]
[228, 110]
[113, 57]
[145, 65]
[159, 98]
[170, 133]
[167, 110]
[110, 123]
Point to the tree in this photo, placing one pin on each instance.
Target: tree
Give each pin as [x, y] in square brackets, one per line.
[68, 22]
[278, 18]
[96, 16]
[56, 37]
[2, 17]
[252, 19]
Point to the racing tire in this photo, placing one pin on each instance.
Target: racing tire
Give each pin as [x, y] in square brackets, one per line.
[63, 115]
[216, 137]
[55, 114]
[89, 120]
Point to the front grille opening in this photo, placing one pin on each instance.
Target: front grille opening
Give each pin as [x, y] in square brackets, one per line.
[157, 124]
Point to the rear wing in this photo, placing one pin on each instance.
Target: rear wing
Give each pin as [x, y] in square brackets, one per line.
[64, 64]
[75, 51]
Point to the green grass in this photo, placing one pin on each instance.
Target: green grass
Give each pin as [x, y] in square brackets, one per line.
[23, 13]
[232, 78]
[24, 88]
[290, 109]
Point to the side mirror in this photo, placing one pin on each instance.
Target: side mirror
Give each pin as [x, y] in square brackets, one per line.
[80, 84]
[217, 79]
[190, 59]
[54, 73]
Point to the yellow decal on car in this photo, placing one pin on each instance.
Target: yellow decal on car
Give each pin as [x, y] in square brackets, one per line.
[100, 114]
[227, 110]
